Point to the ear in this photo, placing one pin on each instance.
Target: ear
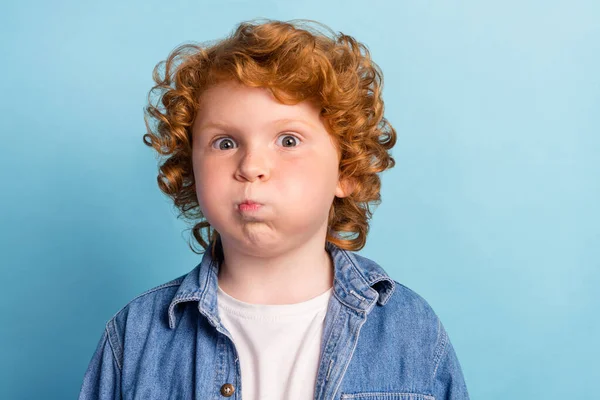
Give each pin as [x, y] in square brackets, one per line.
[344, 187]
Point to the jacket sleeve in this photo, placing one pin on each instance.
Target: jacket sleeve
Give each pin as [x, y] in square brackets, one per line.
[102, 380]
[448, 380]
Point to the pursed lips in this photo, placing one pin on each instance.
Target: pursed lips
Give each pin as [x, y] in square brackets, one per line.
[249, 205]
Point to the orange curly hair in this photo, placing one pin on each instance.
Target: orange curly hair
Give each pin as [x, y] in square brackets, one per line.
[295, 63]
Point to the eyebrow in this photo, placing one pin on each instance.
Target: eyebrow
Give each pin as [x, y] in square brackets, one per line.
[276, 122]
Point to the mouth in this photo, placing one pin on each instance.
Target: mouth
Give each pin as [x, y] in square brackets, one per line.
[249, 205]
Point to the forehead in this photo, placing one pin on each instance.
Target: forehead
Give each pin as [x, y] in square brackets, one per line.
[232, 106]
[233, 102]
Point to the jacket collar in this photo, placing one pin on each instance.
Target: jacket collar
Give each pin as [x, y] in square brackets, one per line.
[358, 284]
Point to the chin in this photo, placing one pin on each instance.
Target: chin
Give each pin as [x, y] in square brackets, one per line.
[261, 245]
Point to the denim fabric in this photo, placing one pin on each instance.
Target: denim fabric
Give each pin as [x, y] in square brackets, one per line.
[381, 340]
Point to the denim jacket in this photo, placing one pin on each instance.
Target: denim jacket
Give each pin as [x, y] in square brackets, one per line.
[380, 341]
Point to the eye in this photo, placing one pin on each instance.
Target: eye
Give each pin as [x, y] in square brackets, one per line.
[289, 140]
[226, 143]
[223, 145]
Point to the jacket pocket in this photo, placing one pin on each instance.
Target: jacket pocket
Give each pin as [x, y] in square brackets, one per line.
[386, 396]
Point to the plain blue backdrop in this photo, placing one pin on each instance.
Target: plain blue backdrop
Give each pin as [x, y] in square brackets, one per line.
[491, 213]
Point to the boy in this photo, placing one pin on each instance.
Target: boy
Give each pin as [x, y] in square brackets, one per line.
[274, 138]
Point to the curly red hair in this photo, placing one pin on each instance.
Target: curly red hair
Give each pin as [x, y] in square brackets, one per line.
[295, 63]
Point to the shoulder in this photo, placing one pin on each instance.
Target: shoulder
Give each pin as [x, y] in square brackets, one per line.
[138, 317]
[398, 300]
[414, 310]
[408, 301]
[414, 323]
[144, 308]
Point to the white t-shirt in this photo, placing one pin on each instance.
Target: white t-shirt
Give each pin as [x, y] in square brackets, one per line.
[278, 345]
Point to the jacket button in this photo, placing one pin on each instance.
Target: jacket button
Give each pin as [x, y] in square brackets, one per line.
[227, 389]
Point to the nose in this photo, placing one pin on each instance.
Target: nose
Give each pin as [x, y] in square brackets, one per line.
[254, 164]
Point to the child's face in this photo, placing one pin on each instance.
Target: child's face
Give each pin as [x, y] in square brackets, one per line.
[290, 168]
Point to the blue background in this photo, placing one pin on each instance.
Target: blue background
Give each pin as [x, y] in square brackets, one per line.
[491, 213]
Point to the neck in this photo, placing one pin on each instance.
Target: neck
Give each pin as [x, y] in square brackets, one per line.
[294, 276]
